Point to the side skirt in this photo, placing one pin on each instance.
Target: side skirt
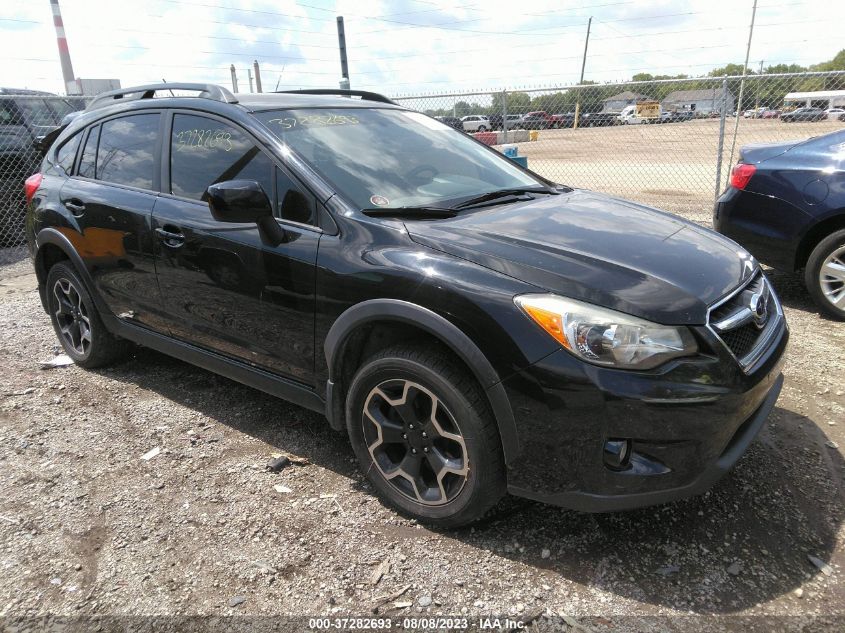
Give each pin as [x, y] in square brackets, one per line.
[283, 388]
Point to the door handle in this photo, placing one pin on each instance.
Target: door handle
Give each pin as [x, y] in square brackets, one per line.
[171, 238]
[75, 206]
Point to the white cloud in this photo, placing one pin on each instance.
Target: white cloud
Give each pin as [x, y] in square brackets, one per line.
[479, 44]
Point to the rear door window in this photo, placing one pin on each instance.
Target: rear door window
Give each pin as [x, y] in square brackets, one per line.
[127, 151]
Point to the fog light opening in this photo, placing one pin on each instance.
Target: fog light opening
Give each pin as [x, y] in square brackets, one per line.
[617, 453]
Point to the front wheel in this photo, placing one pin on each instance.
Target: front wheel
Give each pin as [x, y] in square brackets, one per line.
[424, 436]
[481, 128]
[825, 275]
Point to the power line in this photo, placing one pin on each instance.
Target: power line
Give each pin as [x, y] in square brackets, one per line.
[610, 70]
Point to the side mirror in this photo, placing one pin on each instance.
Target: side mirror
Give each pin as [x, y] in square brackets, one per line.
[245, 201]
[238, 201]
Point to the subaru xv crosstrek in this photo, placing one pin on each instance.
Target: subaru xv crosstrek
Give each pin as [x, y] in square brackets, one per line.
[475, 328]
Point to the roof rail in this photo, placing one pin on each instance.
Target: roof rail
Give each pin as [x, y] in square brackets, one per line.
[364, 94]
[207, 91]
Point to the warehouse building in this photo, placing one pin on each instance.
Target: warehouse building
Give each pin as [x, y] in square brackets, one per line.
[705, 101]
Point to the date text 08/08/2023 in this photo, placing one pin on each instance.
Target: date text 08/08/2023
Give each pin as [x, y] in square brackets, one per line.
[421, 623]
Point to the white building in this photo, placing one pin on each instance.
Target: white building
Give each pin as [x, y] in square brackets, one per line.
[823, 99]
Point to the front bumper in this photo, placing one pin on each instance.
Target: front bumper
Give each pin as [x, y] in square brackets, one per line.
[687, 423]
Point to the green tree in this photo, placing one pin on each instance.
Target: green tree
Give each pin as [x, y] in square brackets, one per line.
[727, 71]
[517, 103]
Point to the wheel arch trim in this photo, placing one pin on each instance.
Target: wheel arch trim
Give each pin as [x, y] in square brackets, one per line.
[448, 333]
[56, 238]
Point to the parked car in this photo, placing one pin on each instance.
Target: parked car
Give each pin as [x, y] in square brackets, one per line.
[452, 121]
[804, 114]
[770, 114]
[473, 327]
[599, 119]
[26, 116]
[834, 114]
[538, 120]
[676, 116]
[563, 119]
[476, 123]
[754, 113]
[497, 121]
[786, 204]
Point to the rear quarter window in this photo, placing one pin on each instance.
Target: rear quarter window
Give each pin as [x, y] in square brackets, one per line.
[88, 162]
[66, 154]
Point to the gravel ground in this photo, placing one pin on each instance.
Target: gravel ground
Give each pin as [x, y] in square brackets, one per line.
[89, 529]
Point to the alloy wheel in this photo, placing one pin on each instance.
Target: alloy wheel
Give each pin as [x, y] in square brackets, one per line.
[72, 316]
[832, 278]
[415, 442]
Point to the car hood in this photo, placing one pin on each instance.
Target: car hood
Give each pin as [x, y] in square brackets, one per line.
[600, 249]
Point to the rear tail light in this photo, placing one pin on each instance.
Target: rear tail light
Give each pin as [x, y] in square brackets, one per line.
[741, 174]
[31, 186]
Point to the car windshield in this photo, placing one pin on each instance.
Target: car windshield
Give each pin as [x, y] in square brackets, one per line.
[379, 157]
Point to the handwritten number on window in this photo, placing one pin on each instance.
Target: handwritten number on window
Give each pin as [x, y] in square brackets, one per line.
[204, 139]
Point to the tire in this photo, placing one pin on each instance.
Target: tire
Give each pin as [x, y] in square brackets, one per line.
[827, 288]
[445, 414]
[481, 128]
[76, 322]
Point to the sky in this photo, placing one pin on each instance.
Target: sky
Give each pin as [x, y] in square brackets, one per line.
[407, 47]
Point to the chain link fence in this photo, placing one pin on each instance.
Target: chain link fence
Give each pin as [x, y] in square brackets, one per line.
[24, 120]
[666, 143]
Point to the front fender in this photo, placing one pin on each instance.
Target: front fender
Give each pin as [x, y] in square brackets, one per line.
[425, 319]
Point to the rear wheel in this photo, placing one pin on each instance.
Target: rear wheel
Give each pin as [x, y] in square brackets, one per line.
[425, 437]
[77, 324]
[825, 275]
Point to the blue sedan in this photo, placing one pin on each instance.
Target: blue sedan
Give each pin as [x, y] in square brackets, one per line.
[786, 205]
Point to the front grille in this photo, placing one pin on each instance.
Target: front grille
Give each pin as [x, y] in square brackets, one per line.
[747, 320]
[741, 340]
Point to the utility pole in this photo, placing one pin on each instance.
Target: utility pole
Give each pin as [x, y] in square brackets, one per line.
[64, 53]
[580, 81]
[742, 82]
[257, 76]
[249, 75]
[341, 43]
[234, 78]
[759, 87]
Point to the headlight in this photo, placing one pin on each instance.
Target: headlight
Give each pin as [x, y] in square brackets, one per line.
[606, 337]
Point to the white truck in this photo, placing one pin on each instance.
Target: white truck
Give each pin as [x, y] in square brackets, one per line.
[642, 112]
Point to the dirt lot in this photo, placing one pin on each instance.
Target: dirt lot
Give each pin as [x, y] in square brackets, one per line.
[670, 166]
[89, 529]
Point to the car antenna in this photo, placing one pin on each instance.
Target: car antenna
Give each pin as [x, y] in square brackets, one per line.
[164, 81]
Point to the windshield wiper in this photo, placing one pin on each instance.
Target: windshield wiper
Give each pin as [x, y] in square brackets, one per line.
[411, 213]
[501, 195]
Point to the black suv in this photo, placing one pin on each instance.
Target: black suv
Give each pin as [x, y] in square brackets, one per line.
[475, 328]
[26, 116]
